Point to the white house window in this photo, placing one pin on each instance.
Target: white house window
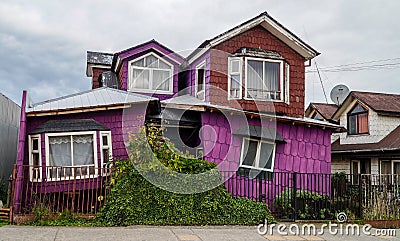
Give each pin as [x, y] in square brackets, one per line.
[200, 81]
[35, 158]
[106, 146]
[71, 155]
[264, 79]
[258, 155]
[150, 74]
[235, 78]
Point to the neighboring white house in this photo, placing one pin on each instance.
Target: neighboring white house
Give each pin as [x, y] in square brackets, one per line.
[371, 144]
[9, 126]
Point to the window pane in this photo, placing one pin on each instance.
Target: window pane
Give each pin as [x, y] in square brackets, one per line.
[362, 120]
[358, 109]
[83, 150]
[163, 65]
[60, 151]
[254, 78]
[151, 61]
[386, 167]
[106, 155]
[266, 154]
[35, 159]
[200, 79]
[235, 86]
[140, 78]
[250, 156]
[235, 66]
[139, 63]
[105, 140]
[271, 81]
[352, 125]
[35, 144]
[355, 168]
[396, 168]
[161, 80]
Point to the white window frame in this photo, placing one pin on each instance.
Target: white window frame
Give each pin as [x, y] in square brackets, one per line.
[230, 73]
[281, 78]
[39, 169]
[202, 93]
[243, 154]
[73, 177]
[103, 147]
[150, 90]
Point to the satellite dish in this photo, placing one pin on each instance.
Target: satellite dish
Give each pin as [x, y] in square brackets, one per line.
[339, 94]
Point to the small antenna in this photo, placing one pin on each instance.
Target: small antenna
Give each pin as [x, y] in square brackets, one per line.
[320, 80]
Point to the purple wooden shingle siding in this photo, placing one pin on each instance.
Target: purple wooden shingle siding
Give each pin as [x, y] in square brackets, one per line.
[192, 76]
[143, 50]
[307, 150]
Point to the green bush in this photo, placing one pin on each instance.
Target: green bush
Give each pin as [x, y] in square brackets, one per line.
[310, 205]
[134, 200]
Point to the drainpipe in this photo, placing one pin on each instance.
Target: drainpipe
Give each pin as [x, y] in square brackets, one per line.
[20, 156]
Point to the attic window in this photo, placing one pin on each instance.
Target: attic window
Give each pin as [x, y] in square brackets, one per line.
[150, 74]
[357, 120]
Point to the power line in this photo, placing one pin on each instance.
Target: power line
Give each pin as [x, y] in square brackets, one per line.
[320, 79]
[357, 68]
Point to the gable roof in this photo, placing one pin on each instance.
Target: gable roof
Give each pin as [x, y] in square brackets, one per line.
[382, 103]
[390, 142]
[270, 24]
[152, 44]
[325, 110]
[91, 99]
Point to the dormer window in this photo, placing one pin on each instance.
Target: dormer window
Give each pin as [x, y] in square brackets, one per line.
[357, 120]
[150, 74]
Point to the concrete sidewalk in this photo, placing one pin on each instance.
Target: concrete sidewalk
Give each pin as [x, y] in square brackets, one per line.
[141, 233]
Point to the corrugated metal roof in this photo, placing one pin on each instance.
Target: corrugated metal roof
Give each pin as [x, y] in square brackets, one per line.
[260, 132]
[93, 98]
[99, 58]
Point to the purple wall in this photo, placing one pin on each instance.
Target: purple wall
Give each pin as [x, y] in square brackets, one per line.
[143, 50]
[307, 150]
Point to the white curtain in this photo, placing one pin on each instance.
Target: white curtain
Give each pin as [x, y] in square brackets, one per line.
[140, 78]
[255, 78]
[161, 80]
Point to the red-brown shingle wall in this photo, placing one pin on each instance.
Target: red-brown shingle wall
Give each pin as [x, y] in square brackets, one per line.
[259, 37]
[95, 77]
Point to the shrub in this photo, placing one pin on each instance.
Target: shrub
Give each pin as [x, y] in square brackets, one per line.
[310, 205]
[134, 200]
[3, 190]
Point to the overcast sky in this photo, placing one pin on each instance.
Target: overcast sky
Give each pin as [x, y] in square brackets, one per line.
[43, 44]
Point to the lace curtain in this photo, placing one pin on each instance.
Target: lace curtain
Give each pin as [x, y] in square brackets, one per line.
[61, 154]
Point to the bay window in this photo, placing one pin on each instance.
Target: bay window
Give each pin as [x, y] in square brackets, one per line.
[150, 74]
[264, 79]
[71, 155]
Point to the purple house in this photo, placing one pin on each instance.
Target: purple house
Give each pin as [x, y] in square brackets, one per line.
[237, 100]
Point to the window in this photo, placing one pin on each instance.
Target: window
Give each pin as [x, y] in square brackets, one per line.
[106, 146]
[35, 158]
[390, 170]
[71, 155]
[235, 78]
[150, 74]
[258, 155]
[200, 81]
[357, 120]
[264, 79]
